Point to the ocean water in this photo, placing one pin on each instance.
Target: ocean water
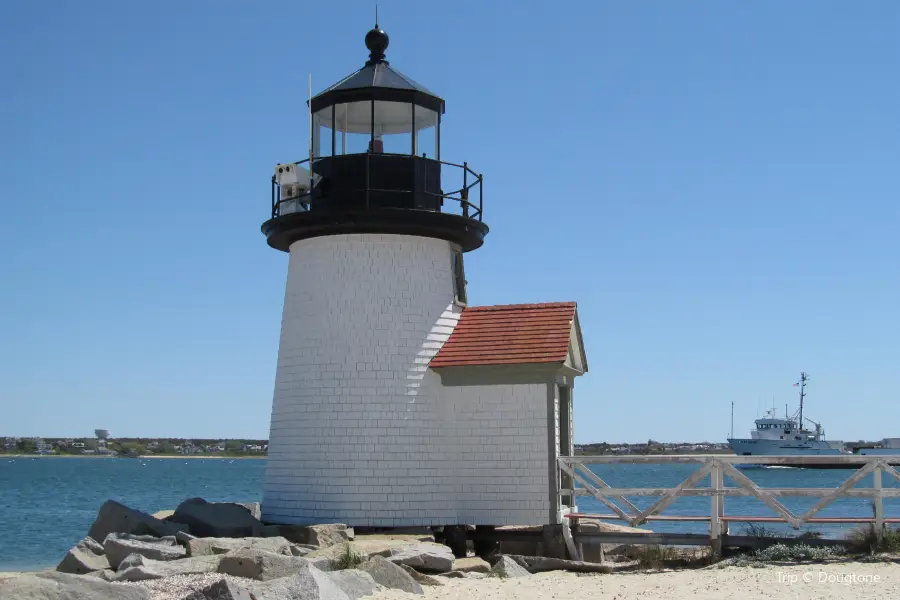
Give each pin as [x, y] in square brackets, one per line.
[48, 504]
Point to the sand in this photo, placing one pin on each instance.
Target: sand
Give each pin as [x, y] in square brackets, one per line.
[847, 581]
[844, 581]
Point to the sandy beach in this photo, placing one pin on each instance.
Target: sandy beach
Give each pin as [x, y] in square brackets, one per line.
[847, 581]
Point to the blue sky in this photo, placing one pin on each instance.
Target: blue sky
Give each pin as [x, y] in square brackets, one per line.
[715, 183]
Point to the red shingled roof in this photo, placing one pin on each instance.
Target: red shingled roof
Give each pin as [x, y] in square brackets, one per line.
[509, 334]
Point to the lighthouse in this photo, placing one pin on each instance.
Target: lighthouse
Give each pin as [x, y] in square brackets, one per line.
[390, 407]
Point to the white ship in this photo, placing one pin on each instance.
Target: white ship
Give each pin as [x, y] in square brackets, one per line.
[786, 437]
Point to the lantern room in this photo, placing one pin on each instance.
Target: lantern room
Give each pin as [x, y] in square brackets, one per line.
[375, 164]
[376, 110]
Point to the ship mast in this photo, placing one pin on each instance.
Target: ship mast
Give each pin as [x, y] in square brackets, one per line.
[803, 380]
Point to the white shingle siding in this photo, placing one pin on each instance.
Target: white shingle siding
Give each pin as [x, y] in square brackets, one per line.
[362, 432]
[501, 459]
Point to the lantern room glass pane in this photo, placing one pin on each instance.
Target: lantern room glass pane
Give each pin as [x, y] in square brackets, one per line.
[426, 133]
[393, 127]
[321, 141]
[353, 125]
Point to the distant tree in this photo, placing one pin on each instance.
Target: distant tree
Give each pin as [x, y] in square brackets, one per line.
[25, 445]
[166, 448]
[133, 448]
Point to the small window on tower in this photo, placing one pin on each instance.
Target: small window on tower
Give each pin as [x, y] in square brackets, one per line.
[459, 278]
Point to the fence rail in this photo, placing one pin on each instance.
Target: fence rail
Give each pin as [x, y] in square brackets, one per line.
[574, 472]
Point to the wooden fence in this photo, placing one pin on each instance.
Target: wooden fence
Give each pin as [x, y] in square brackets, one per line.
[578, 480]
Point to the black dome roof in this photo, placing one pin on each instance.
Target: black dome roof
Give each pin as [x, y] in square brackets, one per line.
[377, 80]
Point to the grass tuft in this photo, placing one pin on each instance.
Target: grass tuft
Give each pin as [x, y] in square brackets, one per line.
[758, 530]
[865, 541]
[348, 559]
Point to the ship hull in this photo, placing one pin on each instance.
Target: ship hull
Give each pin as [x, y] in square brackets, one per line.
[757, 447]
[751, 447]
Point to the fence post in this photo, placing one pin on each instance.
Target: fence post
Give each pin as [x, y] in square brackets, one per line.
[878, 500]
[572, 496]
[717, 508]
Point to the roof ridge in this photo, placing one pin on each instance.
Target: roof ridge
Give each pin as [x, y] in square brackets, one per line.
[537, 306]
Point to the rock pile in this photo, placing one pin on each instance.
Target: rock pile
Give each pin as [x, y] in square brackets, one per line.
[222, 551]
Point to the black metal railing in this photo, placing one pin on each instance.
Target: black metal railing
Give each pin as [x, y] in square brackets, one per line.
[465, 200]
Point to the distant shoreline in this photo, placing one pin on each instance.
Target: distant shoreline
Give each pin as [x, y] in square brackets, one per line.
[166, 456]
[56, 456]
[243, 457]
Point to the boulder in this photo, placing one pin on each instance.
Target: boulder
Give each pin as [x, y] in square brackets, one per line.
[209, 546]
[115, 517]
[87, 556]
[105, 574]
[421, 578]
[119, 545]
[354, 583]
[329, 535]
[422, 556]
[322, 563]
[139, 568]
[309, 583]
[507, 567]
[253, 508]
[52, 585]
[471, 565]
[317, 535]
[163, 515]
[302, 549]
[364, 547]
[220, 590]
[391, 575]
[217, 519]
[252, 563]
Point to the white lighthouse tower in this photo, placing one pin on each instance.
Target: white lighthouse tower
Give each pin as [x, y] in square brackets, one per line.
[375, 227]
